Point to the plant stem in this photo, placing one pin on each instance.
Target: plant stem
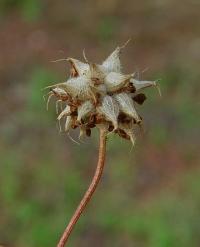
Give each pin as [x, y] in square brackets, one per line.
[89, 192]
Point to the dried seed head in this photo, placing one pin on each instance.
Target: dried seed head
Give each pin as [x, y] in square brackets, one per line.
[100, 96]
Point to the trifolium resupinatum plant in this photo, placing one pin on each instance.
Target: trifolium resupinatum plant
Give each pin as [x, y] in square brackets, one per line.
[102, 96]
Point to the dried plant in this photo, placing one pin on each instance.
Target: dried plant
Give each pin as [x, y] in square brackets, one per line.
[99, 95]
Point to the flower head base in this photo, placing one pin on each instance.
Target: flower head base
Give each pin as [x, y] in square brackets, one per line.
[100, 95]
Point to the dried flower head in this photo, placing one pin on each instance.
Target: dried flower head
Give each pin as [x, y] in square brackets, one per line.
[100, 95]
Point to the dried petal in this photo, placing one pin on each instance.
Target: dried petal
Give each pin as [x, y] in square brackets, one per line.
[128, 129]
[84, 132]
[139, 85]
[59, 105]
[99, 89]
[112, 63]
[68, 123]
[84, 110]
[59, 92]
[77, 87]
[65, 112]
[142, 84]
[95, 73]
[79, 67]
[126, 105]
[96, 79]
[110, 110]
[50, 95]
[115, 81]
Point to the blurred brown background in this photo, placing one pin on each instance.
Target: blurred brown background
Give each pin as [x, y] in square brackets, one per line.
[150, 196]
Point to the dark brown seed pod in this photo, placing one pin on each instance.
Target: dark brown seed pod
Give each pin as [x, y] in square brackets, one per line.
[139, 98]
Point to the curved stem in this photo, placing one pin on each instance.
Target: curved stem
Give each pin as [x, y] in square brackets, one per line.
[89, 192]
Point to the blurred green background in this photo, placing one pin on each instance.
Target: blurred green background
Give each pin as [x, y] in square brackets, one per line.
[149, 196]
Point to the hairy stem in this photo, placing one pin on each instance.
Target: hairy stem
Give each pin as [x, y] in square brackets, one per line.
[89, 192]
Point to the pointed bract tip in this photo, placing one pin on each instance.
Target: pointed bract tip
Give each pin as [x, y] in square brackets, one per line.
[84, 56]
[125, 44]
[158, 87]
[59, 60]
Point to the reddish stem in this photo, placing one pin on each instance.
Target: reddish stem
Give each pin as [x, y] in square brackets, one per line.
[89, 192]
